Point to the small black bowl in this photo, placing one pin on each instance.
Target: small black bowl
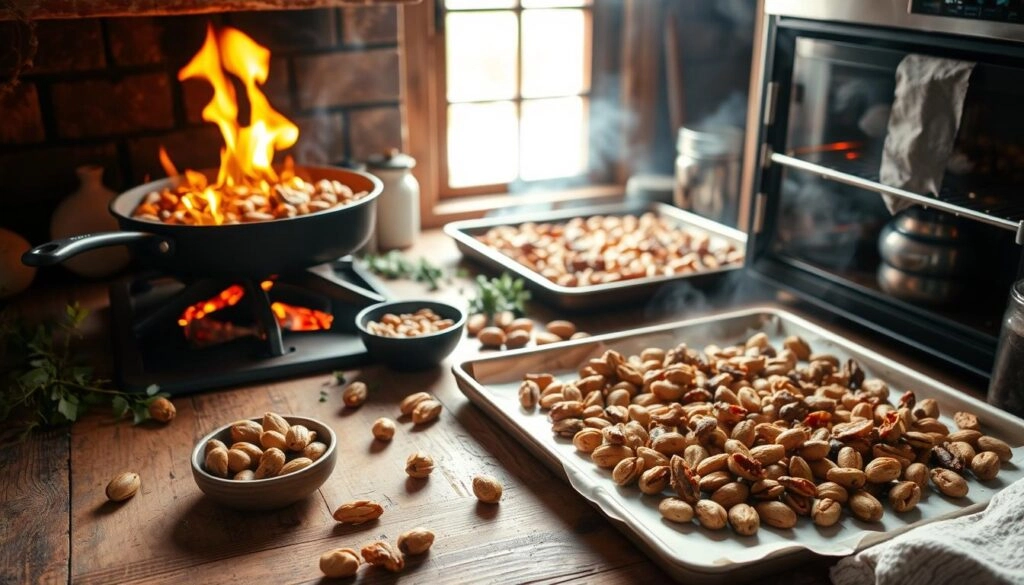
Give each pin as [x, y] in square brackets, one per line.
[411, 353]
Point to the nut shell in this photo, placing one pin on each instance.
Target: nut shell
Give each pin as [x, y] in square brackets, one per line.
[381, 554]
[426, 411]
[826, 512]
[675, 510]
[492, 337]
[409, 403]
[295, 465]
[416, 541]
[562, 328]
[340, 562]
[124, 485]
[246, 430]
[487, 489]
[354, 395]
[161, 409]
[710, 514]
[985, 465]
[358, 512]
[419, 465]
[383, 429]
[217, 462]
[744, 519]
[275, 422]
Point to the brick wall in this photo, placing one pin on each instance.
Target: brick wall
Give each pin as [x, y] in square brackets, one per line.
[105, 91]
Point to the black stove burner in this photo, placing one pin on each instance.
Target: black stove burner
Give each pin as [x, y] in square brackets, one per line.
[151, 347]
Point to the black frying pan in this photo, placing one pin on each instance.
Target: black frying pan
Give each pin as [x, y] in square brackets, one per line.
[248, 249]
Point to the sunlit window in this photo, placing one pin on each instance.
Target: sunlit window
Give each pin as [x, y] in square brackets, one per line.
[517, 83]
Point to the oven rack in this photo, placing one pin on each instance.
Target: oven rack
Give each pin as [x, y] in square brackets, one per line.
[999, 212]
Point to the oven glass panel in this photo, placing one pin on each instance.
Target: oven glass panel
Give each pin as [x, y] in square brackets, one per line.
[838, 113]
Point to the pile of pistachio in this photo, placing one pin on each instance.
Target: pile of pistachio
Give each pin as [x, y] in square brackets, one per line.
[752, 434]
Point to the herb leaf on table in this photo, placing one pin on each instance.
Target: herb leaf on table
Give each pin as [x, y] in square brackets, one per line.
[43, 385]
[502, 293]
[395, 265]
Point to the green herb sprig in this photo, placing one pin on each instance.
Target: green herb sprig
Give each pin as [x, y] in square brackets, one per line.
[503, 293]
[394, 265]
[42, 384]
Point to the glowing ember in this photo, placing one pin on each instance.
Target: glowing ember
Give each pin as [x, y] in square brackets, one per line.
[289, 317]
[247, 187]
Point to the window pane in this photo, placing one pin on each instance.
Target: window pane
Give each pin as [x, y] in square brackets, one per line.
[554, 53]
[478, 4]
[482, 144]
[553, 138]
[549, 3]
[481, 53]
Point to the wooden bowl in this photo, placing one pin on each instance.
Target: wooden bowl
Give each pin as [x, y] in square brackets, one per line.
[273, 492]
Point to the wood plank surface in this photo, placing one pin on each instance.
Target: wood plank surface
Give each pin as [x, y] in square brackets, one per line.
[34, 507]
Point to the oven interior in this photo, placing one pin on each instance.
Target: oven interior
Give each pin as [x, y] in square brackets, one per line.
[820, 221]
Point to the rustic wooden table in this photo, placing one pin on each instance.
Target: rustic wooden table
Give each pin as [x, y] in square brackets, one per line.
[57, 525]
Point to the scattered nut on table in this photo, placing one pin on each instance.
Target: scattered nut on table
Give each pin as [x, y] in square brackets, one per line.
[487, 489]
[416, 541]
[426, 411]
[381, 554]
[507, 332]
[162, 410]
[340, 562]
[383, 429]
[124, 485]
[358, 512]
[410, 402]
[354, 395]
[419, 465]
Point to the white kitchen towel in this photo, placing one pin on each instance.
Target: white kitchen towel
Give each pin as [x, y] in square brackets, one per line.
[923, 123]
[978, 549]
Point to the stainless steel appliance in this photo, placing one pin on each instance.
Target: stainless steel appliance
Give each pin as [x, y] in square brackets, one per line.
[823, 90]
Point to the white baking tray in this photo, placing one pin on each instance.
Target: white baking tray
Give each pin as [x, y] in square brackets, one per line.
[688, 551]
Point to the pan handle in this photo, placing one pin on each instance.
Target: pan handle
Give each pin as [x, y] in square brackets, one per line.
[58, 251]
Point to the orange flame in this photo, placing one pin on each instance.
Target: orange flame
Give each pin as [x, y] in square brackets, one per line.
[248, 152]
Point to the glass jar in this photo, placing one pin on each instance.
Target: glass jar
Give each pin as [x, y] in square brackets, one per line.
[1006, 390]
[708, 172]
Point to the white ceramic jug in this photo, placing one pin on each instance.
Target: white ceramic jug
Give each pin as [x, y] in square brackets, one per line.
[398, 208]
[85, 211]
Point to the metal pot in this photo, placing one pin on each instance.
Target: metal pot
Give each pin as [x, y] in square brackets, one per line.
[931, 290]
[248, 249]
[926, 242]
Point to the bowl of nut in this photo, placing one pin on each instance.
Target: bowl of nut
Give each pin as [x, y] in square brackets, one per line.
[411, 335]
[264, 463]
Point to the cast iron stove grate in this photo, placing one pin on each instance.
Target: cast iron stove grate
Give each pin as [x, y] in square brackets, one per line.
[150, 346]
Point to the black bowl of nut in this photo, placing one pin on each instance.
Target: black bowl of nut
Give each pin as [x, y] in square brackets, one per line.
[410, 335]
[264, 463]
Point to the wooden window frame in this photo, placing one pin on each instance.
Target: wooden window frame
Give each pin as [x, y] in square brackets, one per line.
[425, 108]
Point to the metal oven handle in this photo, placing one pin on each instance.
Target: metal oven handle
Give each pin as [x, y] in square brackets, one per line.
[855, 181]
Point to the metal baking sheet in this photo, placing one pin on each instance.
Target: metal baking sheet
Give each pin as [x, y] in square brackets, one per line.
[689, 551]
[597, 295]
